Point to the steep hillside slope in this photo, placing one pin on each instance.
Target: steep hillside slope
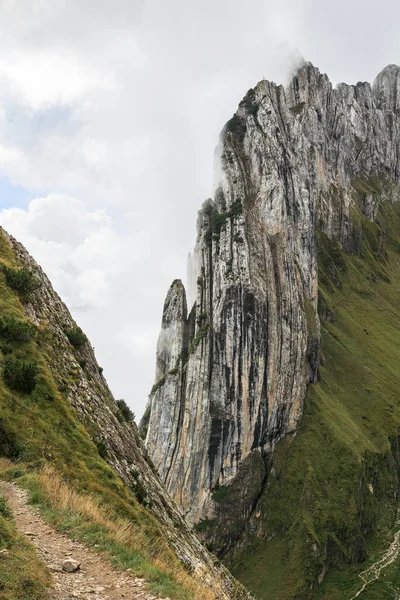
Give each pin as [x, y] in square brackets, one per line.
[296, 250]
[56, 408]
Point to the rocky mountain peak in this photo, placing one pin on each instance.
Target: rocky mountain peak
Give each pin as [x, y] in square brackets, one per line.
[386, 89]
[240, 363]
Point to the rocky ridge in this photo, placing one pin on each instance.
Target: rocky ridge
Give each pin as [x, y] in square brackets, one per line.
[232, 370]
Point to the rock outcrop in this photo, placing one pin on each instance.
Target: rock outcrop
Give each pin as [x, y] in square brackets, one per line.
[232, 370]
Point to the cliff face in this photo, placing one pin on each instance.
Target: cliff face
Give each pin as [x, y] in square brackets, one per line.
[76, 380]
[232, 375]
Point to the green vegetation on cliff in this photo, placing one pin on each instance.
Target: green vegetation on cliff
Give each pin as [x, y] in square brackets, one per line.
[329, 507]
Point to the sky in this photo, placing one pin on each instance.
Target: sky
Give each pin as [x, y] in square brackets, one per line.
[109, 116]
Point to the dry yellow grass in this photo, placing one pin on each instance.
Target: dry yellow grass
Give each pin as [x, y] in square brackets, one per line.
[5, 464]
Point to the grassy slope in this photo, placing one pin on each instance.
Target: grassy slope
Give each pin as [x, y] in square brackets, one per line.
[41, 427]
[317, 508]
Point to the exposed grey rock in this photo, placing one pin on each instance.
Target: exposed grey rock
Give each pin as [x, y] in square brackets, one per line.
[70, 565]
[236, 370]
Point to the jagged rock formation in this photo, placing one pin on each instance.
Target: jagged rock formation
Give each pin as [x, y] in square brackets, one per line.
[232, 374]
[79, 378]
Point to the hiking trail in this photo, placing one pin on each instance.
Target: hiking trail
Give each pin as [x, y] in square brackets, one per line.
[96, 579]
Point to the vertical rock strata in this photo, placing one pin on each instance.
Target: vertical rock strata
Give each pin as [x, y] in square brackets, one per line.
[232, 374]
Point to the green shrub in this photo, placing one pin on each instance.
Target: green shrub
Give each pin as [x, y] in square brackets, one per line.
[21, 280]
[12, 329]
[151, 464]
[237, 127]
[124, 412]
[101, 448]
[157, 385]
[202, 332]
[218, 221]
[5, 348]
[144, 422]
[202, 319]
[76, 336]
[16, 472]
[9, 445]
[204, 525]
[140, 492]
[221, 493]
[5, 510]
[20, 375]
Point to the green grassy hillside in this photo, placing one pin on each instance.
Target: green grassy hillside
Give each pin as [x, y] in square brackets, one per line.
[330, 500]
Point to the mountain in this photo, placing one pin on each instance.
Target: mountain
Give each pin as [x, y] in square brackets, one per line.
[274, 416]
[58, 417]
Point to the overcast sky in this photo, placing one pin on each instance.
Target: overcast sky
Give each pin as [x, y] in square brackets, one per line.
[109, 115]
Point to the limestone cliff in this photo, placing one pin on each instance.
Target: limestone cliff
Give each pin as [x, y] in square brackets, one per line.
[233, 369]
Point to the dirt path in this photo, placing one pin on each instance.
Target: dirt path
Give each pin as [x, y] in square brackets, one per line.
[374, 571]
[96, 579]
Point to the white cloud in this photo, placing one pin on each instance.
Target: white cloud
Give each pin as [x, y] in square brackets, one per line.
[56, 217]
[43, 80]
[8, 156]
[109, 115]
[82, 252]
[93, 288]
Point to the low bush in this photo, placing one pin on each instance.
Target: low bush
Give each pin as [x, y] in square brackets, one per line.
[202, 332]
[76, 336]
[101, 448]
[140, 492]
[9, 444]
[5, 348]
[124, 412]
[5, 510]
[21, 280]
[12, 329]
[20, 375]
[218, 221]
